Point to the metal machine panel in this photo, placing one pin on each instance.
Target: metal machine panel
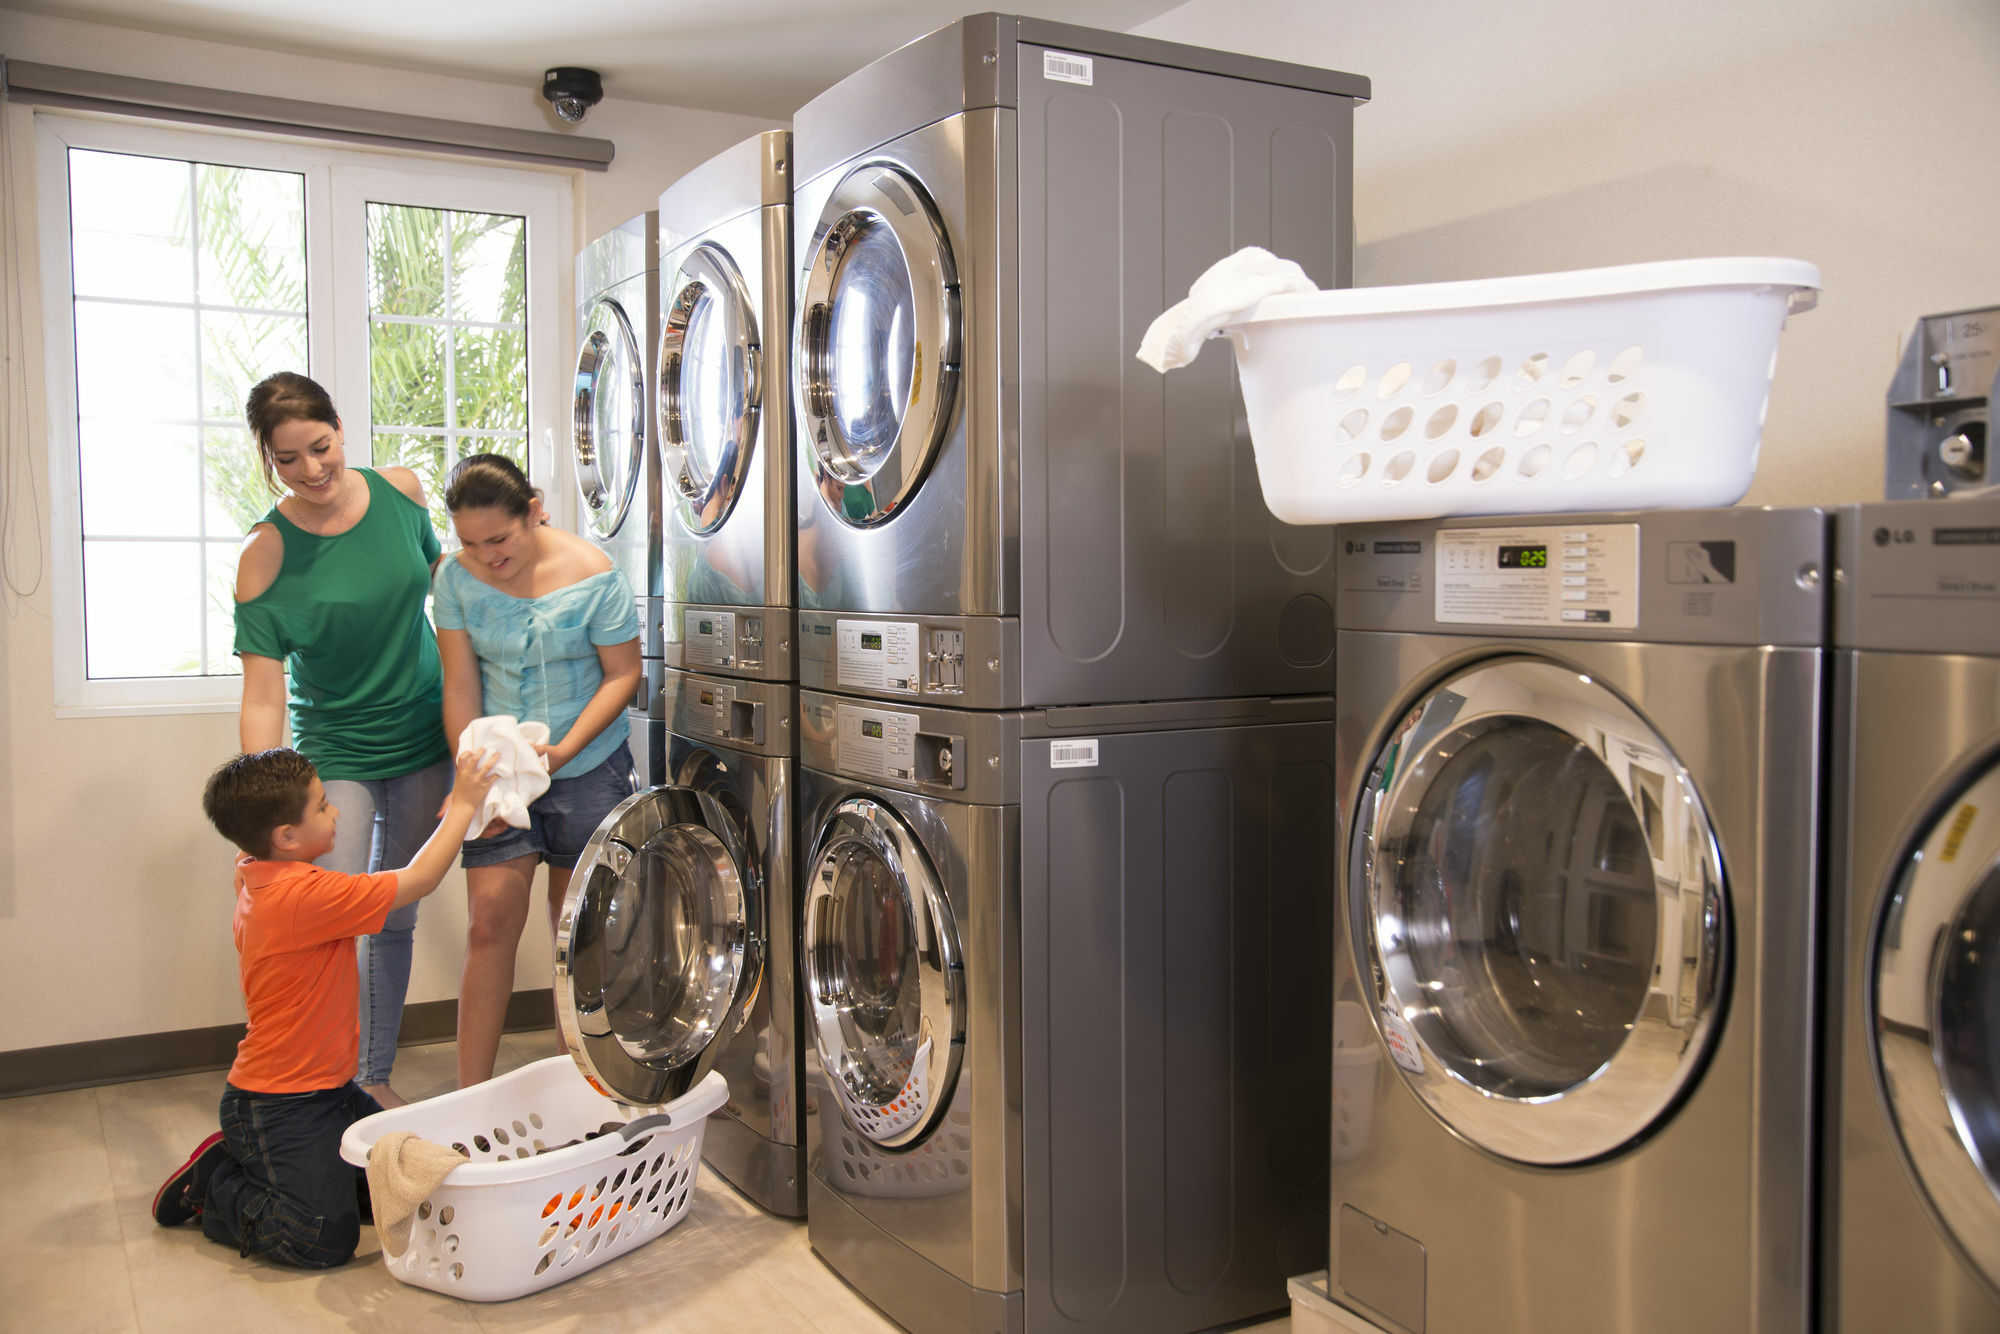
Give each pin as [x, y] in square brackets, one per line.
[1918, 577]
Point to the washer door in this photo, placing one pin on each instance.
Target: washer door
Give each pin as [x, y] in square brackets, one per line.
[1537, 893]
[608, 417]
[711, 367]
[878, 344]
[657, 955]
[1935, 1001]
[883, 979]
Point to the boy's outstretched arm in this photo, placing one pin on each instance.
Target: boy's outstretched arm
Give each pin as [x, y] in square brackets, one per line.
[428, 867]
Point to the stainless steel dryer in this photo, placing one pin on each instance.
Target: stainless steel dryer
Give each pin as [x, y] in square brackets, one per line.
[724, 408]
[998, 505]
[1580, 775]
[1912, 1237]
[1065, 975]
[612, 447]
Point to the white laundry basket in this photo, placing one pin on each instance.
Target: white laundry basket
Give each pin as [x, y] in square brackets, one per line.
[522, 1216]
[1357, 1060]
[1639, 387]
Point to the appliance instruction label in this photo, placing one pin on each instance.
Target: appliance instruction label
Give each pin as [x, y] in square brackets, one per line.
[878, 655]
[709, 707]
[875, 743]
[1560, 575]
[708, 638]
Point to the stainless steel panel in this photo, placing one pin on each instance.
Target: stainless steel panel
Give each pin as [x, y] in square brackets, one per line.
[1918, 577]
[1384, 1269]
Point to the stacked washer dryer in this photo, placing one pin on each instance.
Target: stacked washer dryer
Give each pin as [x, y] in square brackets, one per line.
[1912, 1233]
[1579, 768]
[611, 435]
[1065, 733]
[683, 934]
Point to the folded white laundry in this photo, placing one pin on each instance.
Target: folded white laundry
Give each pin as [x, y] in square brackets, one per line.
[522, 774]
[1227, 291]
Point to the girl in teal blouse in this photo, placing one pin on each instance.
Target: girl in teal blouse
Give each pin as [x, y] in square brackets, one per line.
[535, 623]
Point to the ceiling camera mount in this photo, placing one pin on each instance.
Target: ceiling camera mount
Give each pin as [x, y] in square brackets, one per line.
[572, 91]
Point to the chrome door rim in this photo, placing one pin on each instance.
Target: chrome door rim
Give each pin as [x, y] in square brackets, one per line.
[1618, 1102]
[612, 1062]
[1943, 872]
[877, 829]
[606, 504]
[876, 196]
[711, 273]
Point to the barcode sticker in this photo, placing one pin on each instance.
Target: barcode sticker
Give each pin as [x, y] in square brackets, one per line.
[1073, 754]
[1067, 69]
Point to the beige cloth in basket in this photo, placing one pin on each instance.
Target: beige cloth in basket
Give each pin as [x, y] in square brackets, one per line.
[403, 1169]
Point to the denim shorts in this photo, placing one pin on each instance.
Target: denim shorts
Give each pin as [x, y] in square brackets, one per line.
[561, 820]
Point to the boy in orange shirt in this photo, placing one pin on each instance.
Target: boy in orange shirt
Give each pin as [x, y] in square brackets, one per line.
[272, 1182]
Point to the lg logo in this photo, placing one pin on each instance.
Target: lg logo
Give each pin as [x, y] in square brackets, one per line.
[1899, 536]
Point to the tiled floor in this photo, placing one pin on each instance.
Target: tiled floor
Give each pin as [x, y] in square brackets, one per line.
[79, 1249]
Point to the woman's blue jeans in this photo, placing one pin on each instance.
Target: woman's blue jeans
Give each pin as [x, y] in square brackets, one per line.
[383, 822]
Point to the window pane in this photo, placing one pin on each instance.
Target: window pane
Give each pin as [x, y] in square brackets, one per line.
[220, 608]
[129, 227]
[406, 374]
[142, 608]
[252, 229]
[425, 456]
[139, 479]
[406, 264]
[239, 350]
[135, 361]
[489, 268]
[236, 494]
[492, 374]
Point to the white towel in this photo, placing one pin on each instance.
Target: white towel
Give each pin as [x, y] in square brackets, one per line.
[522, 774]
[1226, 292]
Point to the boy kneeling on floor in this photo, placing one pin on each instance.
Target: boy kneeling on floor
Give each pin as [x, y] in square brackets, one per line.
[271, 1182]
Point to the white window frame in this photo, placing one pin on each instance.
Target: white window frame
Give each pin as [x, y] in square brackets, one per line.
[338, 182]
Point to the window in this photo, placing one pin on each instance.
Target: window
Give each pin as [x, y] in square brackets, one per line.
[188, 266]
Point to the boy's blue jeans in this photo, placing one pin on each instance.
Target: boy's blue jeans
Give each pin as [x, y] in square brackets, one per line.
[286, 1194]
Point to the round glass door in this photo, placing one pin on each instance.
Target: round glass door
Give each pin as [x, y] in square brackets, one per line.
[878, 344]
[657, 954]
[608, 417]
[883, 983]
[711, 365]
[1537, 894]
[1935, 1005]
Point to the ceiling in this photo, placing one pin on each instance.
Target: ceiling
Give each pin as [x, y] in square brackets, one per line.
[753, 57]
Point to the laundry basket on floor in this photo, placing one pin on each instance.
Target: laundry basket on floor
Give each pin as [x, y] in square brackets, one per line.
[561, 1180]
[1638, 387]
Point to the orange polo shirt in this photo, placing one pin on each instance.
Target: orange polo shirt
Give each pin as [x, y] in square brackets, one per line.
[295, 928]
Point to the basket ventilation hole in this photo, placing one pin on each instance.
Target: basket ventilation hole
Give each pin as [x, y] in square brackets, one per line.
[596, 1215]
[542, 1267]
[1396, 469]
[1626, 457]
[431, 1269]
[1485, 373]
[1351, 426]
[596, 1239]
[1488, 463]
[1624, 364]
[457, 1272]
[424, 1209]
[539, 1146]
[575, 1226]
[548, 1234]
[1487, 419]
[535, 1120]
[577, 1198]
[1532, 417]
[1531, 370]
[555, 1203]
[569, 1255]
[1579, 461]
[1350, 382]
[1440, 377]
[520, 1131]
[462, 1149]
[410, 1261]
[1396, 423]
[451, 1243]
[598, 1189]
[1393, 380]
[1532, 462]
[445, 1215]
[482, 1144]
[501, 1135]
[618, 1182]
[654, 1191]
[1577, 369]
[1443, 466]
[638, 1169]
[1577, 414]
[430, 1238]
[1441, 420]
[1626, 410]
[521, 1151]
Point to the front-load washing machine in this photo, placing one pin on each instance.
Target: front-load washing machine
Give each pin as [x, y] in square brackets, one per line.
[612, 448]
[998, 505]
[724, 409]
[1912, 1238]
[1580, 775]
[1065, 975]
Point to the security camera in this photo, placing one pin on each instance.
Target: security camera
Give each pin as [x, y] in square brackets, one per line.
[572, 91]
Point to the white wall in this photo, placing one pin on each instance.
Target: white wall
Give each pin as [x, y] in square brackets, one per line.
[114, 892]
[1559, 134]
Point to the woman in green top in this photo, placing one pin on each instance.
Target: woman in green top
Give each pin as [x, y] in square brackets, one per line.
[330, 594]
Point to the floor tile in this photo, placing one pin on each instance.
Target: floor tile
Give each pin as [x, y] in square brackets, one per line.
[66, 1287]
[50, 1121]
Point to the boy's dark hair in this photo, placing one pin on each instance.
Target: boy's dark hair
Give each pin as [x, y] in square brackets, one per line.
[250, 796]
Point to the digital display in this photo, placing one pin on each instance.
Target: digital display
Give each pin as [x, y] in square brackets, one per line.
[872, 641]
[872, 728]
[708, 698]
[707, 627]
[1524, 558]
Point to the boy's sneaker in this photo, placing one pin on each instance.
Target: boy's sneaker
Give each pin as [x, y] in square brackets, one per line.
[180, 1196]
